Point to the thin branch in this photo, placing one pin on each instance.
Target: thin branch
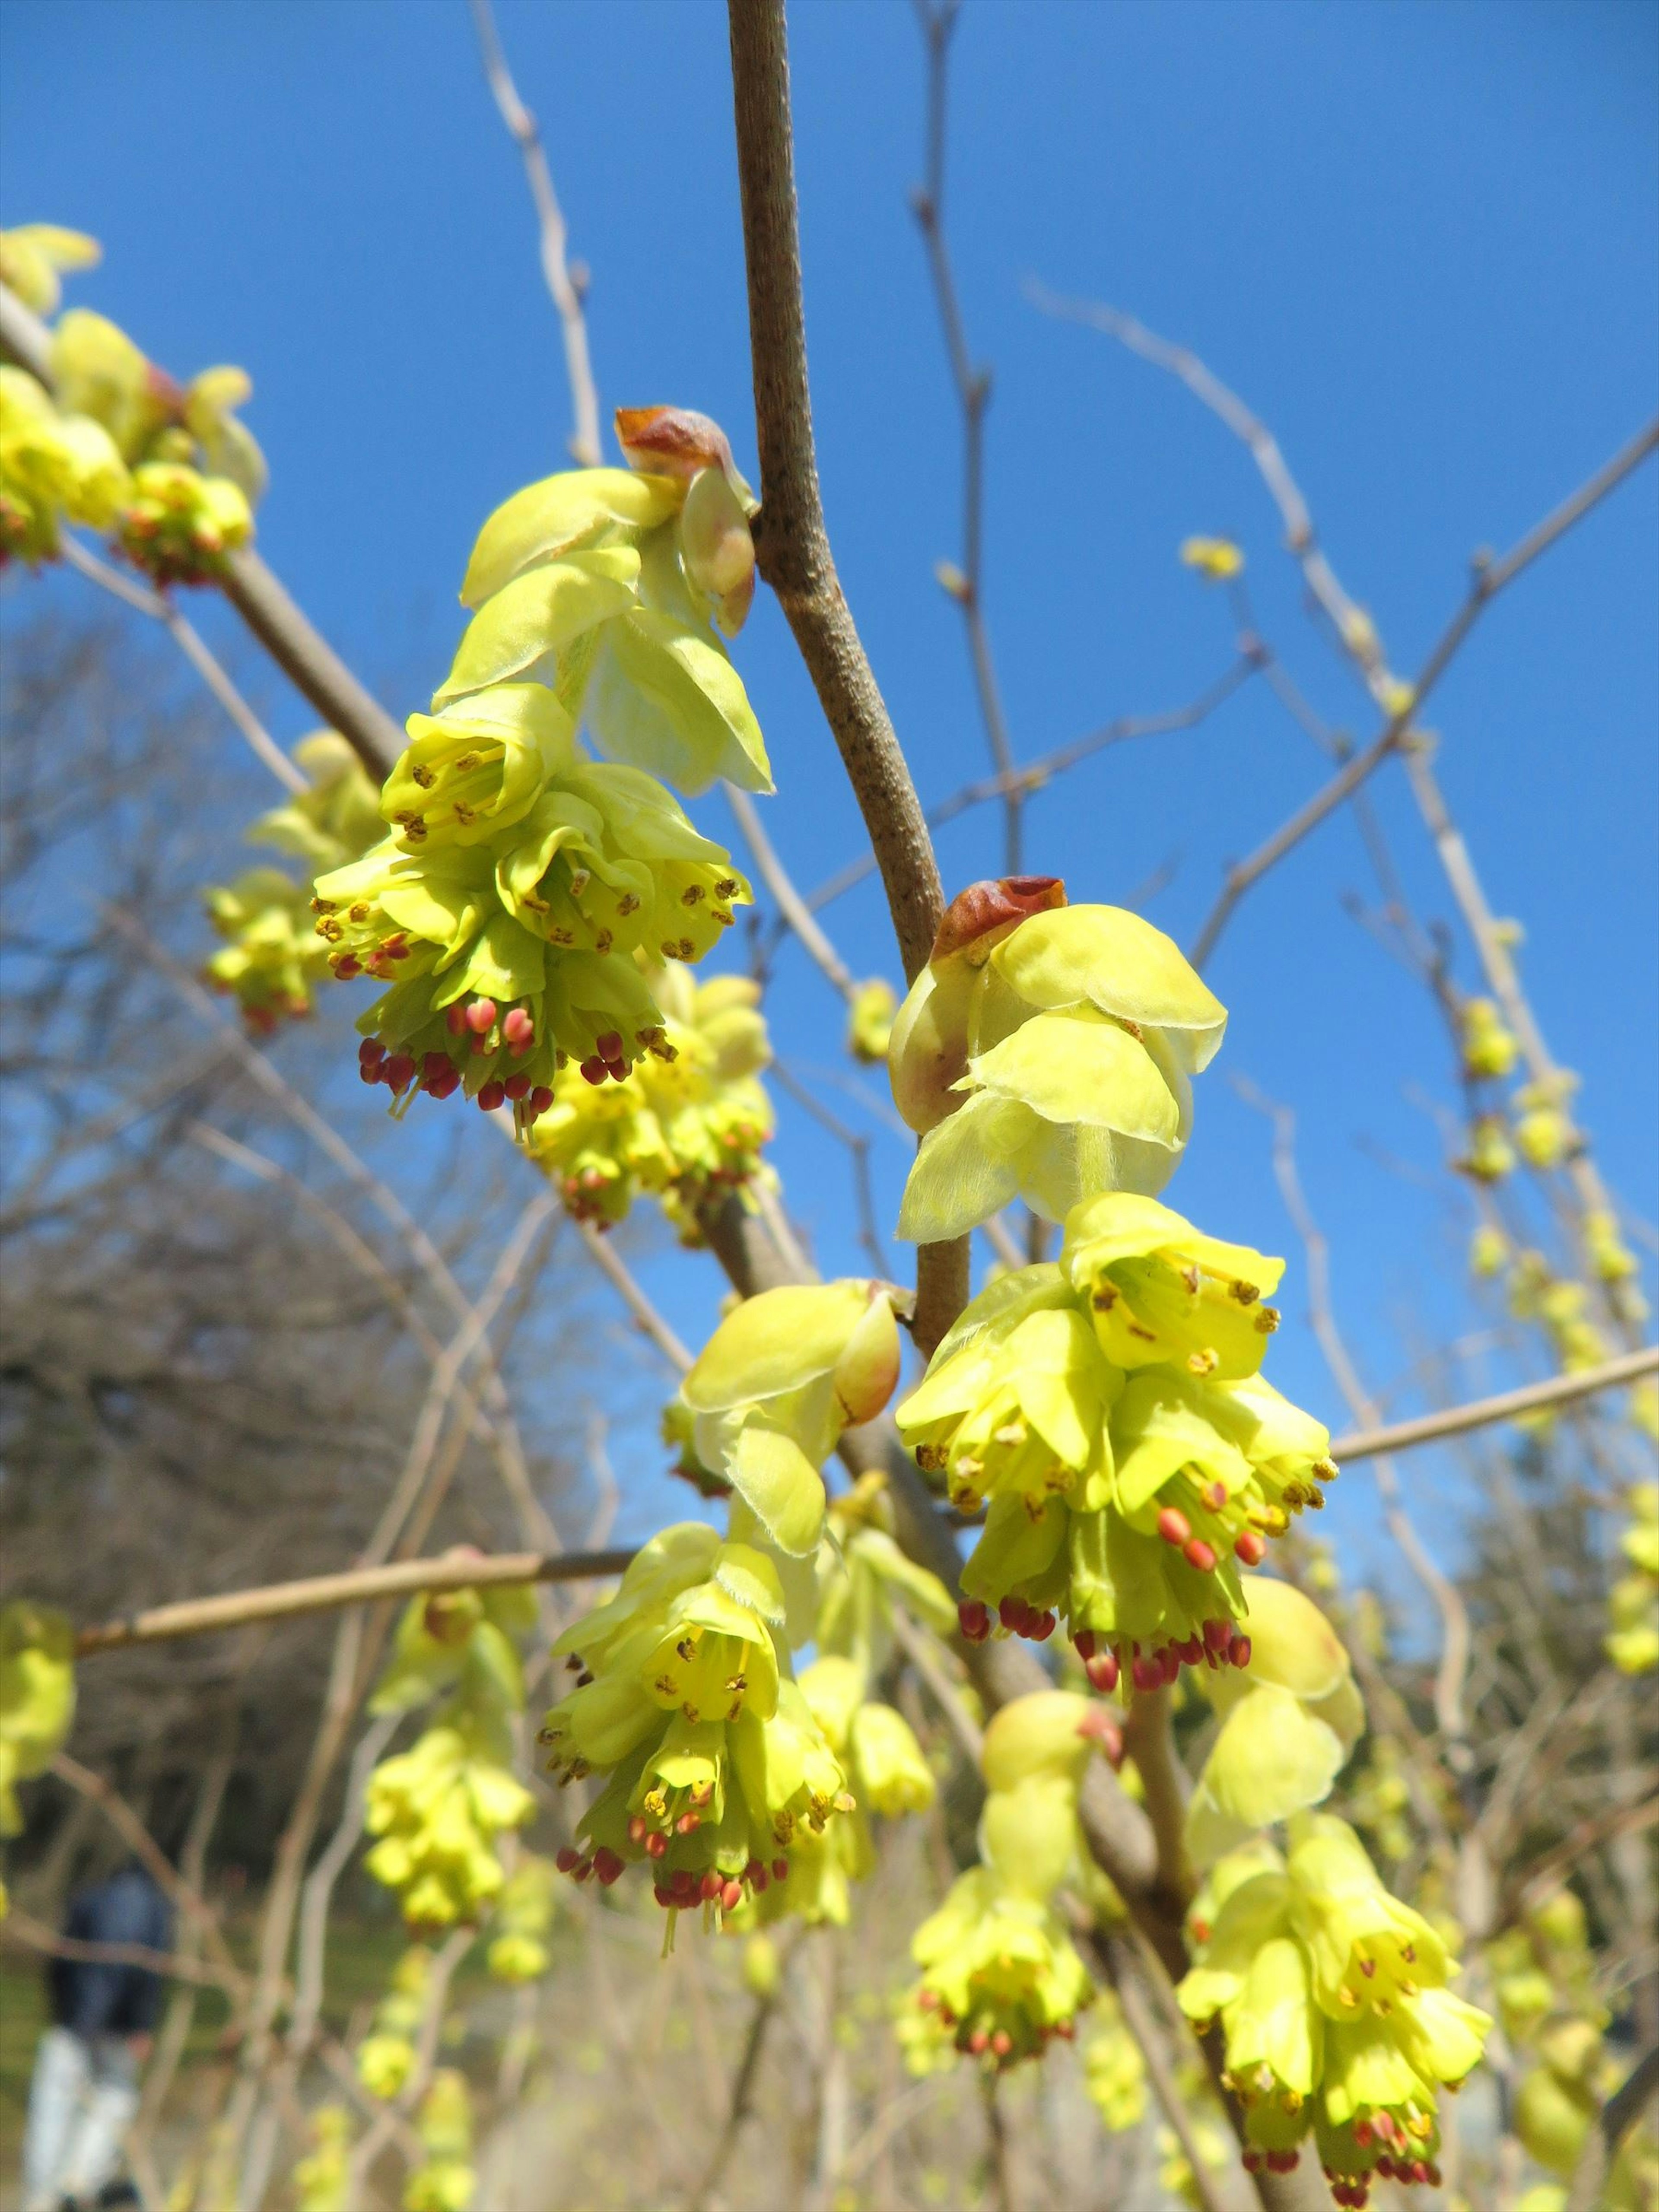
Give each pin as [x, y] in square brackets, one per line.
[203, 1616]
[1448, 1599]
[792, 548]
[160, 609]
[937, 19]
[1506, 1406]
[567, 286]
[794, 909]
[1618, 2117]
[858, 1147]
[647, 1319]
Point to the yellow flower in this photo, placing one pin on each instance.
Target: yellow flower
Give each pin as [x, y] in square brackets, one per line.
[1044, 1053]
[31, 255]
[1489, 1045]
[1218, 560]
[37, 1697]
[870, 1021]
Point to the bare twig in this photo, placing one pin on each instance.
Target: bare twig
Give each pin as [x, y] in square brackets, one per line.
[1447, 1598]
[566, 285]
[647, 1319]
[160, 609]
[203, 1616]
[937, 19]
[1618, 2117]
[1506, 1406]
[791, 905]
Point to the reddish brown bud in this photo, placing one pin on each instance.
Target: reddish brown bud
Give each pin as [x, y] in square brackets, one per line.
[994, 905]
[671, 441]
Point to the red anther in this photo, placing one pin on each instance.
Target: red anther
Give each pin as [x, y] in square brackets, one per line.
[491, 1095]
[1170, 1660]
[1197, 1553]
[1010, 1613]
[617, 1069]
[481, 1016]
[1041, 1628]
[760, 1881]
[928, 2000]
[779, 1870]
[979, 2041]
[540, 1099]
[1191, 1651]
[370, 1053]
[713, 1884]
[519, 1031]
[568, 1861]
[400, 1070]
[1173, 1525]
[1434, 2175]
[1251, 2160]
[455, 1018]
[732, 1896]
[1385, 2166]
[1362, 2132]
[753, 1868]
[371, 1070]
[656, 1845]
[975, 1620]
[517, 1087]
[1083, 1642]
[665, 1898]
[1066, 2029]
[1002, 2043]
[483, 1048]
[346, 967]
[1249, 1548]
[593, 1070]
[1101, 1671]
[609, 1046]
[1239, 1650]
[636, 1829]
[580, 1873]
[1215, 1497]
[1147, 1674]
[445, 1086]
[1217, 1635]
[1420, 2169]
[687, 1822]
[396, 949]
[1283, 2161]
[607, 1866]
[686, 1885]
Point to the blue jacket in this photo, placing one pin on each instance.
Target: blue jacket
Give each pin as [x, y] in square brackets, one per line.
[91, 1999]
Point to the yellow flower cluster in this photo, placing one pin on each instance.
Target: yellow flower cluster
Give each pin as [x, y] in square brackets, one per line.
[685, 1124]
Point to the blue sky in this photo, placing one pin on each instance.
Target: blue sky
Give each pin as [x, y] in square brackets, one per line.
[1418, 239]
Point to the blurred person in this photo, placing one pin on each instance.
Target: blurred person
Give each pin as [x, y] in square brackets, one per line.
[84, 2095]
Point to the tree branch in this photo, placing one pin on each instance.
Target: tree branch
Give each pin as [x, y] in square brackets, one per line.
[793, 547]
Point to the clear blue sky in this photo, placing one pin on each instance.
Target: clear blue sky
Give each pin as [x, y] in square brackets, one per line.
[1419, 240]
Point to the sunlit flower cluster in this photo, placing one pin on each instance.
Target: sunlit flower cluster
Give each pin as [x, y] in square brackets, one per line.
[1108, 1412]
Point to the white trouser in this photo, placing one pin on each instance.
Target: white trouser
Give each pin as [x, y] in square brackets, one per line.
[81, 2102]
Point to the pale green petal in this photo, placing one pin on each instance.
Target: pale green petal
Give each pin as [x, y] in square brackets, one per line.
[963, 1173]
[541, 613]
[665, 698]
[1002, 1305]
[1271, 1757]
[780, 1484]
[1108, 957]
[1081, 1068]
[559, 514]
[1158, 1426]
[749, 1577]
[776, 1342]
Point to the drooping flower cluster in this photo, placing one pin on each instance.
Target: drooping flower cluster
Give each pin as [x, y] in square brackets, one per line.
[37, 1699]
[1108, 1412]
[1045, 1053]
[1290, 1717]
[385, 2056]
[714, 1764]
[272, 959]
[781, 1377]
[54, 468]
[322, 2178]
[612, 586]
[685, 1124]
[1632, 1638]
[523, 1921]
[439, 1808]
[1001, 1977]
[444, 2181]
[1333, 2000]
[505, 922]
